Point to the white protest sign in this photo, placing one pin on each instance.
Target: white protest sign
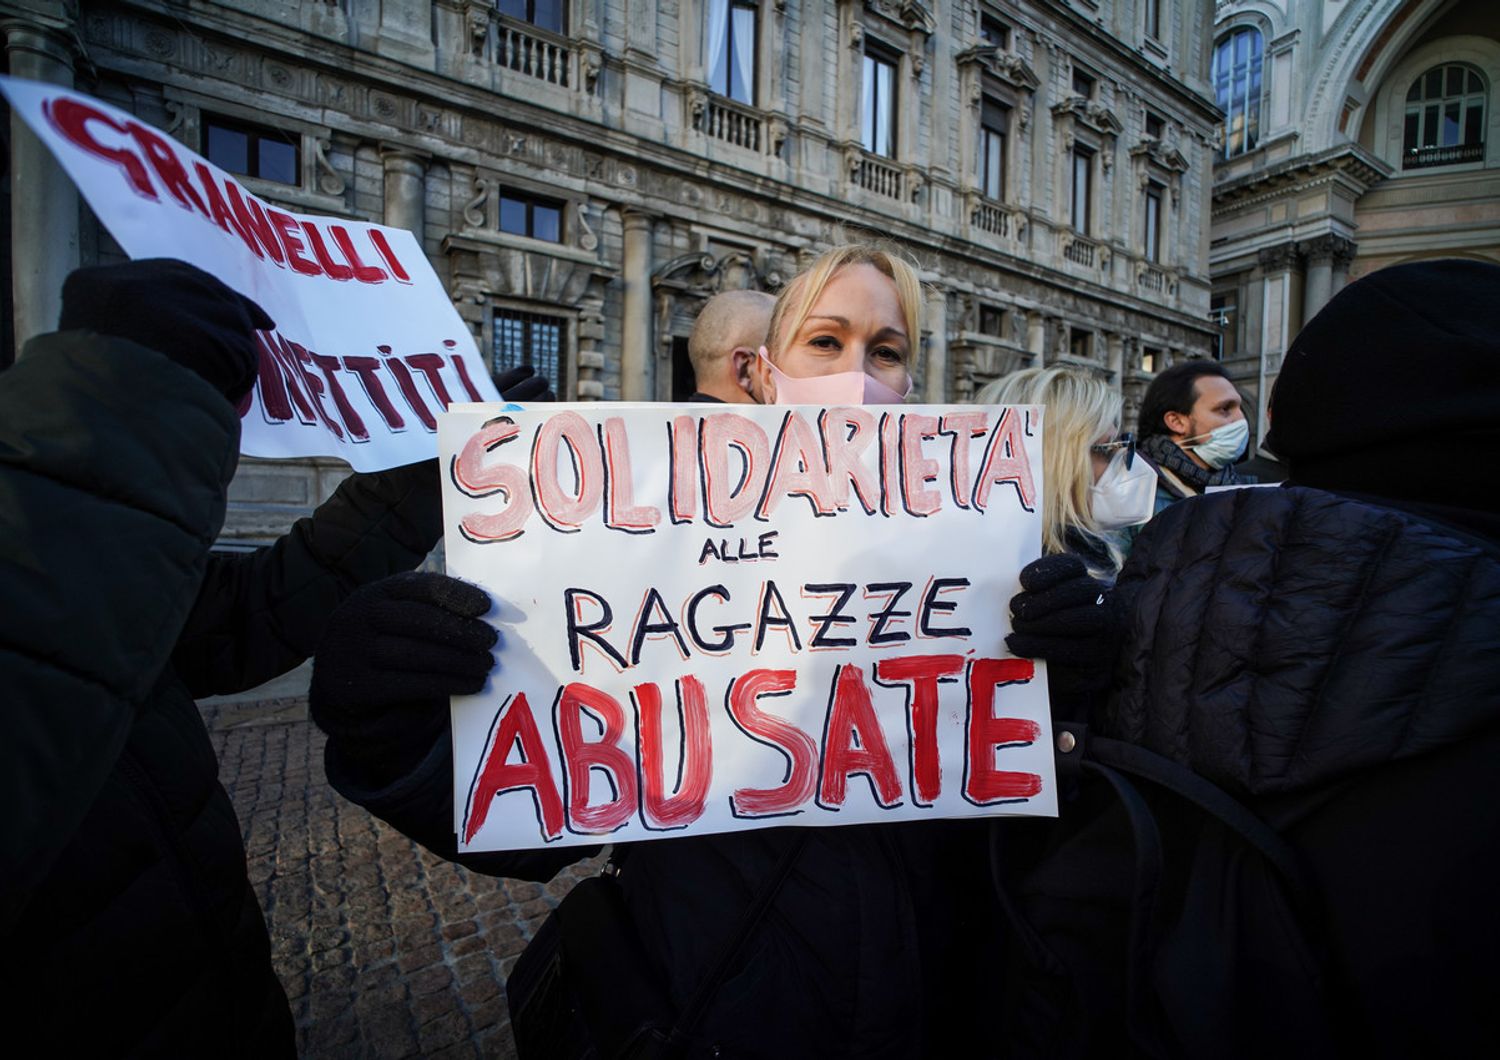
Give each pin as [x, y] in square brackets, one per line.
[367, 348]
[718, 618]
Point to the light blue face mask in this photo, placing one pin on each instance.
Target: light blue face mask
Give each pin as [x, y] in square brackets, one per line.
[1225, 444]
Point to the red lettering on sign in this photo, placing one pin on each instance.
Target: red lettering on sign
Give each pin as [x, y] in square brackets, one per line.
[582, 757]
[799, 749]
[853, 743]
[516, 731]
[1005, 463]
[660, 811]
[922, 674]
[169, 169]
[71, 118]
[566, 510]
[477, 479]
[983, 782]
[291, 241]
[621, 512]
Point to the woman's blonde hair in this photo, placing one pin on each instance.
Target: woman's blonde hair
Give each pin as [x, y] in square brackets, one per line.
[1081, 408]
[800, 294]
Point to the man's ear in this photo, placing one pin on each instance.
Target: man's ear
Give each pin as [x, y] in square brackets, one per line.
[1176, 422]
[756, 379]
[741, 363]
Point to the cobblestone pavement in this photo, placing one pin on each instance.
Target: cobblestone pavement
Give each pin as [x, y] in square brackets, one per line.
[384, 950]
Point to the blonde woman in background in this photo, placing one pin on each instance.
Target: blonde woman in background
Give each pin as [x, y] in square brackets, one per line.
[1094, 488]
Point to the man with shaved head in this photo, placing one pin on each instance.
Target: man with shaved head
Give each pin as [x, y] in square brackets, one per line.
[726, 337]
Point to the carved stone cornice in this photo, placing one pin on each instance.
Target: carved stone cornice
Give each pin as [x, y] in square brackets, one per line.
[911, 15]
[1329, 247]
[1089, 114]
[1160, 154]
[1278, 258]
[1000, 64]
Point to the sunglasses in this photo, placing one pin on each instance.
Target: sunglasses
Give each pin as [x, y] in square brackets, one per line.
[1126, 442]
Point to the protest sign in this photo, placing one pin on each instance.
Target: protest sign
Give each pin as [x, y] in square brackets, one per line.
[367, 348]
[714, 619]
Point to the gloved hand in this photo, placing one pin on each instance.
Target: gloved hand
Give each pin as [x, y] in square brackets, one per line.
[175, 309]
[392, 654]
[523, 384]
[1066, 616]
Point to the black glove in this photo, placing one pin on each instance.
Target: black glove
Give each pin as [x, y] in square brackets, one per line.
[175, 309]
[391, 656]
[1066, 617]
[523, 384]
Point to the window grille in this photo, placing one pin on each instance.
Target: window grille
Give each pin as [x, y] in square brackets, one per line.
[534, 339]
[1444, 118]
[1238, 59]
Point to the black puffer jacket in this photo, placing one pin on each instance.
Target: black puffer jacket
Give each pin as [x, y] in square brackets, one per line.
[1336, 666]
[873, 948]
[127, 921]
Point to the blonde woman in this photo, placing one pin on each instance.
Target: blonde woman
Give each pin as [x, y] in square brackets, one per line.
[1095, 487]
[842, 332]
[782, 942]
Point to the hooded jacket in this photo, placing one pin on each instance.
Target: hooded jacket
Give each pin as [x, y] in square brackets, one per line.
[126, 915]
[1335, 666]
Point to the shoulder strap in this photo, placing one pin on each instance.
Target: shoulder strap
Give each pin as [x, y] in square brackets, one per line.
[692, 1012]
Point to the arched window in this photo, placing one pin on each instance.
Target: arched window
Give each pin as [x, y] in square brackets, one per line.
[1444, 118]
[1237, 87]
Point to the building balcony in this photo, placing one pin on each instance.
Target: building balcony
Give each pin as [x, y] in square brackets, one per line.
[537, 53]
[879, 176]
[1080, 250]
[1428, 157]
[1153, 280]
[989, 218]
[736, 124]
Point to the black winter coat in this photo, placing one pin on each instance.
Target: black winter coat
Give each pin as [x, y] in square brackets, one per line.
[127, 921]
[1335, 666]
[870, 949]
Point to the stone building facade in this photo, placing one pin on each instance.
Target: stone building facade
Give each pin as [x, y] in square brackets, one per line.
[584, 173]
[1358, 134]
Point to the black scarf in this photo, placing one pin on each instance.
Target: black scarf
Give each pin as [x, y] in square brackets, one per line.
[1168, 454]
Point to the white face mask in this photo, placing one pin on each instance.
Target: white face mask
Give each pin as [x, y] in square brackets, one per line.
[1123, 496]
[1224, 444]
[840, 388]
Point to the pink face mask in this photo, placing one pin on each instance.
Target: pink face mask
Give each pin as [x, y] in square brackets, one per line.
[840, 388]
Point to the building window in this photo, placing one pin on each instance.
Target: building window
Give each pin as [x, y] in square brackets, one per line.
[1153, 359]
[1156, 126]
[1236, 77]
[994, 124]
[1152, 230]
[533, 339]
[1444, 118]
[526, 215]
[1081, 344]
[251, 150]
[544, 14]
[1223, 314]
[877, 122]
[1083, 189]
[1083, 84]
[994, 33]
[1153, 18]
[729, 49]
[992, 321]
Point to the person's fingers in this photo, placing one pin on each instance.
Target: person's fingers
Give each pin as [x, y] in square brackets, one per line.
[527, 390]
[1061, 651]
[1085, 621]
[1048, 571]
[513, 376]
[1077, 592]
[439, 665]
[424, 623]
[458, 597]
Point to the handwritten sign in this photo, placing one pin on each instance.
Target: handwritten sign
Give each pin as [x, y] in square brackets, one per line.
[714, 619]
[367, 348]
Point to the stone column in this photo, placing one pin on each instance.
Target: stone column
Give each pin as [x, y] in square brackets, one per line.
[1319, 286]
[405, 188]
[1277, 323]
[1036, 336]
[936, 391]
[43, 201]
[636, 383]
[1343, 257]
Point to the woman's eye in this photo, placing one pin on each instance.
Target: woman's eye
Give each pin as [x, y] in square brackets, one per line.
[890, 355]
[825, 342]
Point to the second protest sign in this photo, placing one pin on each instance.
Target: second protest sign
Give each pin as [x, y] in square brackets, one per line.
[715, 619]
